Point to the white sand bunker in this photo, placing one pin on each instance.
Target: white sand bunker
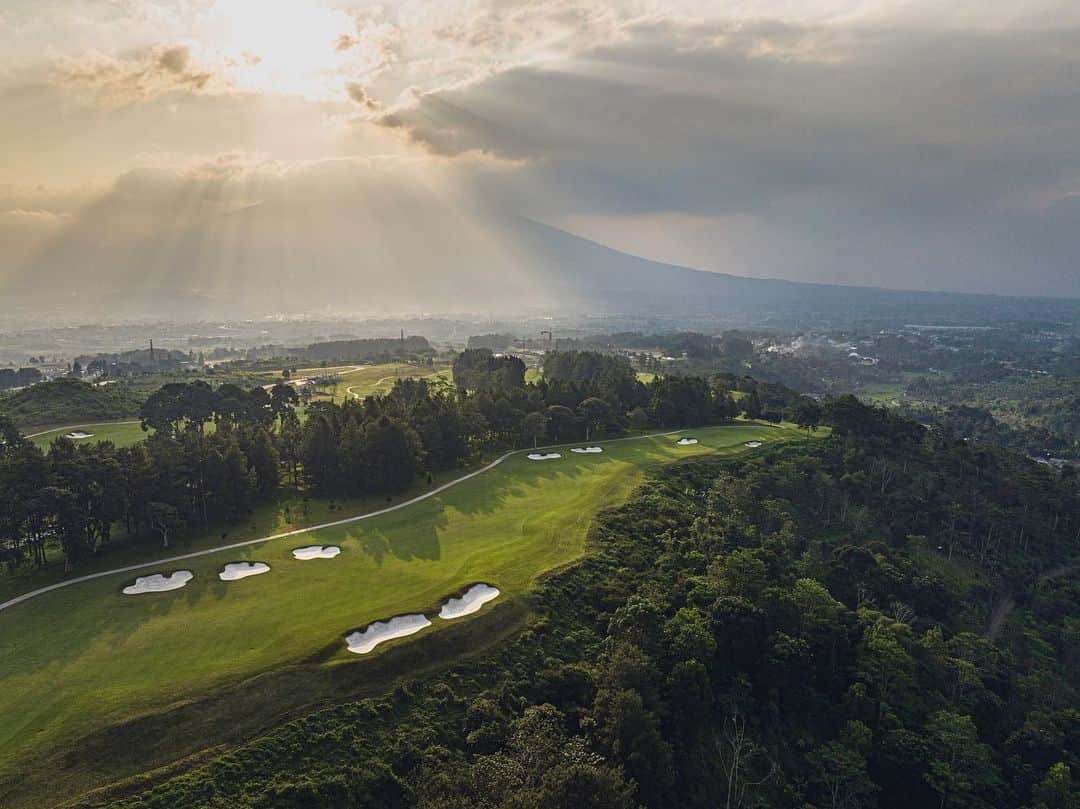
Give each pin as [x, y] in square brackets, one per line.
[241, 570]
[474, 598]
[159, 583]
[685, 442]
[316, 552]
[753, 444]
[587, 450]
[364, 640]
[543, 456]
[75, 435]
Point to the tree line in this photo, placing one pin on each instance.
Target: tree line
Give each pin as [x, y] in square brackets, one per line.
[213, 454]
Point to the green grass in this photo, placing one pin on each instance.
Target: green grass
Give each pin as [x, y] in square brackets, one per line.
[883, 393]
[122, 433]
[372, 379]
[86, 657]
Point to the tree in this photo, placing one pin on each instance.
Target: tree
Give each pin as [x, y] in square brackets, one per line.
[534, 426]
[745, 764]
[638, 419]
[841, 769]
[319, 451]
[739, 573]
[962, 766]
[631, 734]
[594, 412]
[1057, 790]
[806, 413]
[541, 766]
[163, 519]
[883, 662]
[561, 422]
[752, 405]
[391, 455]
[688, 636]
[162, 410]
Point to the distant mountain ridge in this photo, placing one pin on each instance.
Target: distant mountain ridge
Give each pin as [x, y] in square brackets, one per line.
[269, 259]
[640, 282]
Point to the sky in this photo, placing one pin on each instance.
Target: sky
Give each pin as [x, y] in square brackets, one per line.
[901, 143]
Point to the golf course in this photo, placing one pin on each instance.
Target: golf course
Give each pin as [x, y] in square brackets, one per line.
[84, 657]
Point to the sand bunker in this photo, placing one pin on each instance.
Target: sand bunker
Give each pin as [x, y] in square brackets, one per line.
[77, 434]
[543, 456]
[474, 598]
[685, 442]
[159, 583]
[364, 640]
[753, 444]
[241, 570]
[316, 552]
[587, 450]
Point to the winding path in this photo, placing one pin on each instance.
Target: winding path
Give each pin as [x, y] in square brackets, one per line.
[346, 521]
[349, 390]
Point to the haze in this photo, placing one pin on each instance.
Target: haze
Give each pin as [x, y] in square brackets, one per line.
[355, 155]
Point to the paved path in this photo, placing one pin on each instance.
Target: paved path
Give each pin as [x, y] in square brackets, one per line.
[348, 520]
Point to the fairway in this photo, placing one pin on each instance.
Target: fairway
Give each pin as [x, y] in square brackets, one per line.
[122, 433]
[80, 658]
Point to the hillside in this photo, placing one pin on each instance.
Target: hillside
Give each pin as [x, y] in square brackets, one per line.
[69, 401]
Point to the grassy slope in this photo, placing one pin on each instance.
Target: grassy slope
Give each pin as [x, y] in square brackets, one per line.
[82, 658]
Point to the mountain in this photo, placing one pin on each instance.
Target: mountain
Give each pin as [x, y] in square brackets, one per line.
[321, 257]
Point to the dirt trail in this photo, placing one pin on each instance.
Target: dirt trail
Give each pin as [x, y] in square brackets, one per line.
[1005, 608]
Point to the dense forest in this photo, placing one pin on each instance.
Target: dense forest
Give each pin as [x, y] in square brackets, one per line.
[885, 618]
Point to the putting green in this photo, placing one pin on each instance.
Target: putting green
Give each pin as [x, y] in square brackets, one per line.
[122, 433]
[84, 657]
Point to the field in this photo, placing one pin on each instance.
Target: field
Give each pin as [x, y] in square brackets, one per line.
[122, 433]
[367, 380]
[85, 657]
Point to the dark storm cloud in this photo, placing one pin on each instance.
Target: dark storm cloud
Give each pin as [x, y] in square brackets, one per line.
[949, 155]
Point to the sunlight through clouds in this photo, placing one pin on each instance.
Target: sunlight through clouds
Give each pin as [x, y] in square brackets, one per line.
[832, 140]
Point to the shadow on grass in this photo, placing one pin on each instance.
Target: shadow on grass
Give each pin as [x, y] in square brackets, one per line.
[158, 744]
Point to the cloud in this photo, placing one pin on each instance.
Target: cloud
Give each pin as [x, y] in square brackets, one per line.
[875, 141]
[33, 218]
[175, 60]
[359, 94]
[141, 77]
[844, 153]
[346, 42]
